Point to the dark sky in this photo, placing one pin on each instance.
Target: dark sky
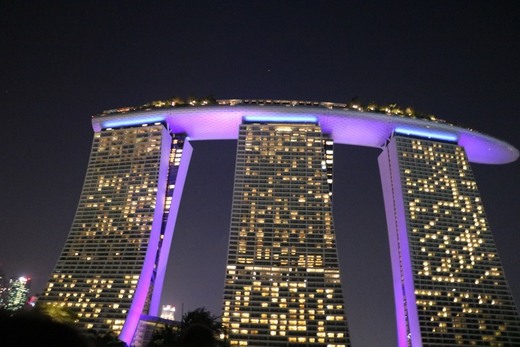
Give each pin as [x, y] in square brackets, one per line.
[62, 62]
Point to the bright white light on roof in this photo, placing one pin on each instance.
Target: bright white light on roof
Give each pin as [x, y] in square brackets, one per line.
[429, 134]
[282, 119]
[131, 121]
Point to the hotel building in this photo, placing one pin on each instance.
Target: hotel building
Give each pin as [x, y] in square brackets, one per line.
[283, 282]
[450, 288]
[112, 259]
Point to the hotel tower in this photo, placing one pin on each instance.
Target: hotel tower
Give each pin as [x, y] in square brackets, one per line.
[449, 285]
[283, 282]
[283, 285]
[111, 268]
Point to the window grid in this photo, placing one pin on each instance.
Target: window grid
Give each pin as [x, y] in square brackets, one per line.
[282, 278]
[460, 290]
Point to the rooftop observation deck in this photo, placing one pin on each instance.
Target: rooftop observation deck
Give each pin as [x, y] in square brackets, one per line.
[346, 124]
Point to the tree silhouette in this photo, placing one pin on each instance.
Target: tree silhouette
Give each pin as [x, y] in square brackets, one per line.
[104, 340]
[32, 328]
[198, 328]
[57, 313]
[167, 336]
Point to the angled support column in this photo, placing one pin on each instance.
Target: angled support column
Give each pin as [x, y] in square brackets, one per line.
[170, 227]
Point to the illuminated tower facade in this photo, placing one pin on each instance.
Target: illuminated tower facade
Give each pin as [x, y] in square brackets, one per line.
[282, 279]
[111, 268]
[449, 285]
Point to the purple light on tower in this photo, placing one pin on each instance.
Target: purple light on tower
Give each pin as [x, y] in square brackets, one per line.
[404, 297]
[182, 174]
[143, 285]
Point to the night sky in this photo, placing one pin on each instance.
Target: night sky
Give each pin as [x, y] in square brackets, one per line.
[62, 62]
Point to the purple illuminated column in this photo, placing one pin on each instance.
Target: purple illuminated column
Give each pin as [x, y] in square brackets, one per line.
[408, 330]
[147, 271]
[170, 228]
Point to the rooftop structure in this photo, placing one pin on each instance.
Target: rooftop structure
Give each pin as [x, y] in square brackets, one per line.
[344, 125]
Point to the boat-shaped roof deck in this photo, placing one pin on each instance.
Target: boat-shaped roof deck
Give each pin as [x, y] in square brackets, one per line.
[345, 125]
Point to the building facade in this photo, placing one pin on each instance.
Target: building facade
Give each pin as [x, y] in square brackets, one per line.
[17, 293]
[112, 258]
[168, 312]
[148, 326]
[283, 282]
[449, 285]
[282, 279]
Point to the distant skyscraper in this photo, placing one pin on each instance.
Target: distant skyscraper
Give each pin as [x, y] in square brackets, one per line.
[18, 293]
[283, 281]
[168, 312]
[450, 288]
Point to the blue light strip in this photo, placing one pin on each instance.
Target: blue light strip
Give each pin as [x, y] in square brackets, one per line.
[131, 121]
[428, 134]
[282, 119]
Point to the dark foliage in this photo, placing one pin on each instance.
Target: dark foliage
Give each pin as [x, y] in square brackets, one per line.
[29, 329]
[165, 337]
[104, 340]
[198, 328]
